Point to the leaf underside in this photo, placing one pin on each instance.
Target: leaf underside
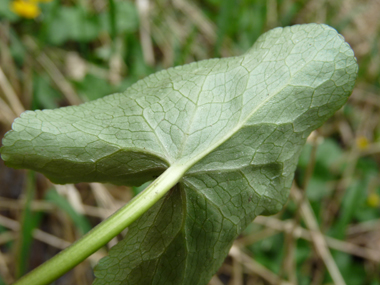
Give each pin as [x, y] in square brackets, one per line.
[237, 124]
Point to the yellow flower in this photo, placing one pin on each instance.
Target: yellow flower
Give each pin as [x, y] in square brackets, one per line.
[25, 9]
[373, 200]
[362, 143]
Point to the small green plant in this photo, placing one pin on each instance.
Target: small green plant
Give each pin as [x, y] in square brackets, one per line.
[223, 136]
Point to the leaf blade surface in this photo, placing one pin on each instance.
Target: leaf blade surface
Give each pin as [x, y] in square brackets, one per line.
[237, 124]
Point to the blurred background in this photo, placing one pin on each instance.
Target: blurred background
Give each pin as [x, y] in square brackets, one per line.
[59, 53]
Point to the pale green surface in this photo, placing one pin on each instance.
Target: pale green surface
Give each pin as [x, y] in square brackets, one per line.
[237, 124]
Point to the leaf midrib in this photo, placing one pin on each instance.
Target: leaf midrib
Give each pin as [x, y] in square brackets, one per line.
[233, 131]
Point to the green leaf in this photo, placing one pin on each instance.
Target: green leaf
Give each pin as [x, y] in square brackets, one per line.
[126, 17]
[236, 125]
[29, 222]
[44, 95]
[70, 23]
[6, 12]
[93, 87]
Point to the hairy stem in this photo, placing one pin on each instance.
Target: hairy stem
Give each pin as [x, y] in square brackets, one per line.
[104, 232]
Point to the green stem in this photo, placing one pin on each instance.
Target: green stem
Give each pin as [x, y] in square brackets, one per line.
[104, 232]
